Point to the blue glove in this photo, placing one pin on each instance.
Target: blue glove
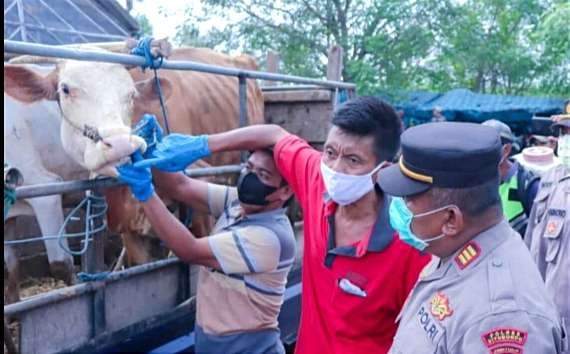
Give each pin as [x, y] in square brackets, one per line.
[138, 179]
[149, 129]
[176, 151]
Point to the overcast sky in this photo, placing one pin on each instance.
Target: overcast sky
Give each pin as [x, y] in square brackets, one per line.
[165, 16]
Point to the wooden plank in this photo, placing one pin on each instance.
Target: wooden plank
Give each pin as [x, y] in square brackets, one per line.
[49, 329]
[335, 64]
[132, 300]
[297, 96]
[272, 66]
[309, 120]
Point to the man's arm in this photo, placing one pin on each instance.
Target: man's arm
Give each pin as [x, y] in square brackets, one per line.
[178, 238]
[179, 187]
[248, 138]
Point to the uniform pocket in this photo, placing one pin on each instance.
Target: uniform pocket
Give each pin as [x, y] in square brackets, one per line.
[540, 204]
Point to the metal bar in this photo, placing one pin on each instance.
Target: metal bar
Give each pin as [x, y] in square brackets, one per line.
[289, 88]
[242, 107]
[52, 29]
[73, 291]
[61, 19]
[14, 34]
[9, 8]
[68, 53]
[22, 20]
[87, 17]
[98, 314]
[41, 190]
[121, 29]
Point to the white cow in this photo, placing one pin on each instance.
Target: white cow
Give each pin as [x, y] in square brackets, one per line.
[32, 143]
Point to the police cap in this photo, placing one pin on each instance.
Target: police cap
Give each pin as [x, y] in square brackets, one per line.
[445, 155]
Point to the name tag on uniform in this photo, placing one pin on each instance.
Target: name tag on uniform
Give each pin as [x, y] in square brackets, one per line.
[429, 324]
[348, 287]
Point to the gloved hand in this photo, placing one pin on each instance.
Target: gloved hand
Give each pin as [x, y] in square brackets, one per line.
[138, 179]
[149, 129]
[176, 151]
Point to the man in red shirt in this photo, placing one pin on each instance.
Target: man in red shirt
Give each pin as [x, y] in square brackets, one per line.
[356, 271]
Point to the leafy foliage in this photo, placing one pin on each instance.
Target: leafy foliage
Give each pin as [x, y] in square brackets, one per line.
[493, 46]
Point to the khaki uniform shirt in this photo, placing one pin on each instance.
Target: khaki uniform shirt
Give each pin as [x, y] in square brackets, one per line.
[548, 237]
[486, 298]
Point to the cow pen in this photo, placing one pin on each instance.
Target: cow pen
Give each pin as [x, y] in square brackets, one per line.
[155, 301]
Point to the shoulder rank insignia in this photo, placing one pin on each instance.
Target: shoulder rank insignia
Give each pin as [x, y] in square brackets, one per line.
[505, 340]
[439, 306]
[467, 255]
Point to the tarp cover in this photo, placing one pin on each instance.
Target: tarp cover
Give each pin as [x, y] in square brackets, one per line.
[464, 105]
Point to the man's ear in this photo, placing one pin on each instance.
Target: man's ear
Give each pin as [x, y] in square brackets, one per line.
[454, 222]
[507, 148]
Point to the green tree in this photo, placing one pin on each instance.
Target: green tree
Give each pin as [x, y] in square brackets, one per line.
[495, 46]
[144, 25]
[553, 37]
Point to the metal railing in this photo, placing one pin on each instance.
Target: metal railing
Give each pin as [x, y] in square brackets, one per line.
[23, 48]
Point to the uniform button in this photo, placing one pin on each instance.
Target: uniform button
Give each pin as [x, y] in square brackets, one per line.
[497, 263]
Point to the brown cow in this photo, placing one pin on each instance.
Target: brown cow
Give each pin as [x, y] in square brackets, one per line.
[109, 99]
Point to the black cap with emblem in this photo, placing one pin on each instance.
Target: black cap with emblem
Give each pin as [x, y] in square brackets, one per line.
[445, 155]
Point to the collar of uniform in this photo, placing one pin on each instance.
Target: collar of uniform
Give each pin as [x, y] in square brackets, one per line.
[474, 251]
[266, 214]
[377, 240]
[483, 243]
[235, 212]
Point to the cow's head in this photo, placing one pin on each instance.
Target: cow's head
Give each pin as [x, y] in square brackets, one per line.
[96, 100]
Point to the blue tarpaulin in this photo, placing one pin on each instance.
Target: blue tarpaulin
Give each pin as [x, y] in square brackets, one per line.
[466, 106]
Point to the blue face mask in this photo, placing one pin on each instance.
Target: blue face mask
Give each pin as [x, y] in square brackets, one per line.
[401, 220]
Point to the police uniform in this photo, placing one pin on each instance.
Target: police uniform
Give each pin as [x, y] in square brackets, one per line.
[548, 236]
[487, 297]
[519, 186]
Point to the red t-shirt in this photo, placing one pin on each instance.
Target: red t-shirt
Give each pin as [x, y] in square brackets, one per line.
[351, 295]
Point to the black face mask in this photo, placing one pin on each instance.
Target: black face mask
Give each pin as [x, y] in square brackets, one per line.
[251, 190]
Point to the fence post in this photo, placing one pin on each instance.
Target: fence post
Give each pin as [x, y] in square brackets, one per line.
[272, 66]
[335, 64]
[93, 262]
[242, 106]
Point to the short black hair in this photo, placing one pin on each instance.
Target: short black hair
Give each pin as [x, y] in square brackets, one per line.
[269, 151]
[367, 115]
[473, 201]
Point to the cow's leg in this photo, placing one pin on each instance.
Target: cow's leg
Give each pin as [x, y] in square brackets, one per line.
[137, 251]
[49, 214]
[12, 263]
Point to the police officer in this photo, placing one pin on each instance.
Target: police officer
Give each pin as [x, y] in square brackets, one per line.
[482, 292]
[548, 232]
[518, 185]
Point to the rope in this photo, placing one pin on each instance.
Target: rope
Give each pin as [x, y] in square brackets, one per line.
[87, 277]
[9, 199]
[143, 49]
[91, 201]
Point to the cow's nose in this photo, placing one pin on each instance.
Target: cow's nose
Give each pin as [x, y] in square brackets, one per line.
[108, 131]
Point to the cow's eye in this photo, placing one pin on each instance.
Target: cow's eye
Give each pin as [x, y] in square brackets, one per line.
[65, 89]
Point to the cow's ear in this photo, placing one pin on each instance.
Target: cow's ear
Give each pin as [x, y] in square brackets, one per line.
[27, 86]
[148, 92]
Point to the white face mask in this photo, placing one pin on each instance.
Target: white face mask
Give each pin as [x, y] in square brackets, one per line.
[564, 150]
[346, 189]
